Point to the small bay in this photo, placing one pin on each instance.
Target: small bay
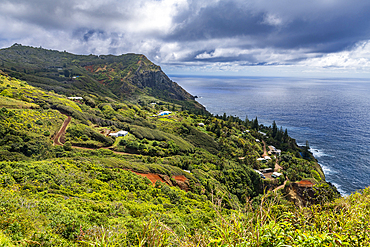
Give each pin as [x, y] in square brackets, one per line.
[333, 115]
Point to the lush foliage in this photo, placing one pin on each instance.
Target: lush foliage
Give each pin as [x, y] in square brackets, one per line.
[183, 179]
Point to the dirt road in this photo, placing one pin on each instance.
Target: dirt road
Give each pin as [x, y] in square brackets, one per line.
[264, 149]
[62, 131]
[280, 187]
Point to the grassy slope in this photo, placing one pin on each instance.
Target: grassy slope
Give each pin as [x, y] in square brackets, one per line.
[57, 196]
[129, 76]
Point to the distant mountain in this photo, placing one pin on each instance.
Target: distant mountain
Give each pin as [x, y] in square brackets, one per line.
[128, 76]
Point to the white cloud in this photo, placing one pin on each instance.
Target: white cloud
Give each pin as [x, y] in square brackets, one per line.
[272, 19]
[358, 58]
[279, 34]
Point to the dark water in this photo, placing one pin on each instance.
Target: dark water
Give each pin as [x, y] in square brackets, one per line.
[332, 114]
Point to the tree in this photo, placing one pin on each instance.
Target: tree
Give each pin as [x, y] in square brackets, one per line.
[66, 73]
[246, 121]
[67, 146]
[279, 134]
[306, 152]
[255, 124]
[224, 117]
[286, 136]
[274, 129]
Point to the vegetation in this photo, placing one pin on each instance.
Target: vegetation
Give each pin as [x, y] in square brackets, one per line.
[129, 76]
[185, 179]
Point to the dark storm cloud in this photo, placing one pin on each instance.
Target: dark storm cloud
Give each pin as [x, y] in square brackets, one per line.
[84, 34]
[322, 30]
[226, 19]
[246, 32]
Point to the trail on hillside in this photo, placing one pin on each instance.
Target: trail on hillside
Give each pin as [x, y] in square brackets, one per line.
[61, 132]
[280, 187]
[264, 149]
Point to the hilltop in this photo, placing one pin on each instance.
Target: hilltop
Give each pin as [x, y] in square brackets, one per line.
[173, 176]
[126, 77]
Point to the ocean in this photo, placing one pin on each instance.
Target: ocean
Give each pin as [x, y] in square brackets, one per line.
[333, 115]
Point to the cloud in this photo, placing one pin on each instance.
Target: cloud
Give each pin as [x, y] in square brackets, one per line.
[180, 33]
[357, 58]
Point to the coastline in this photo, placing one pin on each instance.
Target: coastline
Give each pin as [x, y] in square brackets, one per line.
[314, 116]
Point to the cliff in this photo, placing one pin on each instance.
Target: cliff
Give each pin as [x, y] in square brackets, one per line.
[128, 76]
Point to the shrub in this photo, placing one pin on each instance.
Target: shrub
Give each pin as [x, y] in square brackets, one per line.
[39, 122]
[67, 146]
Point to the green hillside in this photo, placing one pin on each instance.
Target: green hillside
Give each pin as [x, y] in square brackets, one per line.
[181, 179]
[127, 77]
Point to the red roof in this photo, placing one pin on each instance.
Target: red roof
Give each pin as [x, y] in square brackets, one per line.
[305, 183]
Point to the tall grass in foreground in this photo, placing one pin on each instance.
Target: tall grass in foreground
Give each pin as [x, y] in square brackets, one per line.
[344, 222]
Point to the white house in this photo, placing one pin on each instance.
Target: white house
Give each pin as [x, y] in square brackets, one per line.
[75, 98]
[164, 113]
[276, 174]
[262, 133]
[201, 124]
[275, 151]
[260, 173]
[119, 133]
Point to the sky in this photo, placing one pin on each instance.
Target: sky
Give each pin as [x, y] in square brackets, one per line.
[316, 38]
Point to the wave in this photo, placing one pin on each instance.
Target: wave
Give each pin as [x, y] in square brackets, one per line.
[342, 192]
[317, 153]
[327, 170]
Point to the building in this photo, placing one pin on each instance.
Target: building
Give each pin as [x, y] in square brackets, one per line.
[119, 133]
[274, 151]
[164, 113]
[75, 98]
[266, 170]
[262, 133]
[276, 174]
[260, 173]
[305, 184]
[201, 124]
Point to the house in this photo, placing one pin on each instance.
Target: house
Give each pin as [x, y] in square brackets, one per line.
[262, 160]
[119, 133]
[275, 151]
[266, 170]
[201, 124]
[305, 184]
[276, 174]
[164, 113]
[257, 140]
[260, 173]
[75, 98]
[262, 133]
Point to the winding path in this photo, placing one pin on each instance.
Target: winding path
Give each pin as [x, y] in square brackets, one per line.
[62, 131]
[280, 187]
